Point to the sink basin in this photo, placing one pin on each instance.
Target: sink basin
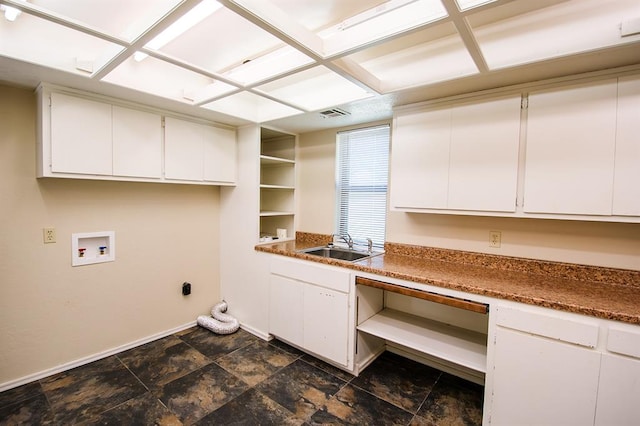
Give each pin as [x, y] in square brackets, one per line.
[339, 253]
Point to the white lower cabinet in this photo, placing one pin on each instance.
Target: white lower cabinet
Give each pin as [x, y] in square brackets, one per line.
[326, 323]
[286, 300]
[556, 368]
[542, 381]
[309, 307]
[619, 390]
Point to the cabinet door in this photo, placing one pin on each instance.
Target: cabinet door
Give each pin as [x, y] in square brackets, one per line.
[571, 149]
[619, 391]
[326, 323]
[137, 143]
[219, 155]
[286, 309]
[184, 150]
[485, 140]
[542, 381]
[80, 136]
[420, 160]
[626, 190]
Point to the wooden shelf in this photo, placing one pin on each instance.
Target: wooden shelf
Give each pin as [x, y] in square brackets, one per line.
[463, 347]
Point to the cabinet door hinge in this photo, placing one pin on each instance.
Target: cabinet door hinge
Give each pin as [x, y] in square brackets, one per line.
[524, 103]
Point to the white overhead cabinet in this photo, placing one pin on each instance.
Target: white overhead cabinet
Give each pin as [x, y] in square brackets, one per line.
[96, 138]
[571, 143]
[85, 138]
[575, 155]
[81, 136]
[626, 187]
[458, 158]
[137, 143]
[198, 152]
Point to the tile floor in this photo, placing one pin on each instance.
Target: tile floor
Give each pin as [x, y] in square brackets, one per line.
[197, 377]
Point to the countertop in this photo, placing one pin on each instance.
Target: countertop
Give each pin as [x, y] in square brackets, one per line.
[607, 293]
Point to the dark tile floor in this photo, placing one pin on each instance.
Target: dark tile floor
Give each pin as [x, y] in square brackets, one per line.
[197, 377]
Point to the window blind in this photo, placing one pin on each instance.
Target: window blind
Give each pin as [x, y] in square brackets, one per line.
[362, 172]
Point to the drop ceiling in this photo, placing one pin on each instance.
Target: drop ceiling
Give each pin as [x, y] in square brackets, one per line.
[283, 62]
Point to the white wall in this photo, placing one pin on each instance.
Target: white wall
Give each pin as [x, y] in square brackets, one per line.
[52, 313]
[592, 243]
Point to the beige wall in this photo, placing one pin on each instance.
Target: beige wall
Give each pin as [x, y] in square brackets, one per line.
[592, 243]
[52, 313]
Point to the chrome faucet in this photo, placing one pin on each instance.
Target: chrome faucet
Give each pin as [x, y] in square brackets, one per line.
[369, 245]
[346, 238]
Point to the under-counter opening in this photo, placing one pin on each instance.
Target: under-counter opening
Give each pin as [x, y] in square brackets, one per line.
[445, 332]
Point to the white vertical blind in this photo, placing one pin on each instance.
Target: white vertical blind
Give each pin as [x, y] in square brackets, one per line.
[361, 183]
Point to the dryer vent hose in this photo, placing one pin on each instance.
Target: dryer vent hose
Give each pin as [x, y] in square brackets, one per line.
[221, 323]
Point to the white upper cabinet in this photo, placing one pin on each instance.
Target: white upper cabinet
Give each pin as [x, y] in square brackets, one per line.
[571, 144]
[420, 159]
[219, 155]
[483, 166]
[572, 153]
[84, 137]
[459, 158]
[80, 136]
[626, 182]
[137, 143]
[183, 149]
[197, 152]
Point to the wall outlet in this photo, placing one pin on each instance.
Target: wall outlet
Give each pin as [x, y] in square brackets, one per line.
[49, 235]
[495, 238]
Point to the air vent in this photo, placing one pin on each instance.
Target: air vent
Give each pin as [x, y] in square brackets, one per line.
[334, 112]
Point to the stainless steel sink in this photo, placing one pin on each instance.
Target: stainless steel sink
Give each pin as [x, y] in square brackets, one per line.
[339, 253]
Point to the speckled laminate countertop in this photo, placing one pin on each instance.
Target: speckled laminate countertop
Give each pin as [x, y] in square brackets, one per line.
[600, 292]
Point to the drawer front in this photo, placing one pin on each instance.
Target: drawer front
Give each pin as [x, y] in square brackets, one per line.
[624, 342]
[322, 275]
[554, 327]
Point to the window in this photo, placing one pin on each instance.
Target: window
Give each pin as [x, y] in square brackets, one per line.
[361, 183]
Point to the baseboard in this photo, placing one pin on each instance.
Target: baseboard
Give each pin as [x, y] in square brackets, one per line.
[91, 358]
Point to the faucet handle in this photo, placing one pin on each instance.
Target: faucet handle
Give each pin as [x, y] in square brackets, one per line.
[369, 245]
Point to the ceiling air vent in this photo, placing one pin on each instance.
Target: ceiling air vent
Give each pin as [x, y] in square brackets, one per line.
[334, 112]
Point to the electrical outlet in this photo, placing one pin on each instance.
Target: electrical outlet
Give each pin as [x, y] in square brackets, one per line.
[49, 235]
[495, 238]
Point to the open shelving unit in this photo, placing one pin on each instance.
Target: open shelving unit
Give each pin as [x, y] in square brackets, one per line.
[277, 184]
[439, 334]
[457, 345]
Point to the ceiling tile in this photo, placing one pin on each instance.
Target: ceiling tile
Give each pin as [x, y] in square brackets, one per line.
[125, 19]
[429, 56]
[163, 79]
[42, 42]
[252, 107]
[314, 89]
[561, 29]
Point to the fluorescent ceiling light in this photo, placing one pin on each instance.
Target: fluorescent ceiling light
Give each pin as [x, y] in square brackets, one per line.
[187, 21]
[381, 21]
[469, 4]
[373, 13]
[11, 13]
